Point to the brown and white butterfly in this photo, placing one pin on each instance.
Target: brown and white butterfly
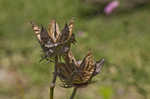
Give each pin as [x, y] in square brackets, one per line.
[73, 73]
[52, 41]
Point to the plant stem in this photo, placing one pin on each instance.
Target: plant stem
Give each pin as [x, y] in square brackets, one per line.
[73, 93]
[52, 86]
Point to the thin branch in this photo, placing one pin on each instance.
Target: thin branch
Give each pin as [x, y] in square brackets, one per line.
[73, 93]
[52, 86]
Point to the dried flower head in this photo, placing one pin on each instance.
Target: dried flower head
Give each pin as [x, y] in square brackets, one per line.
[52, 41]
[78, 73]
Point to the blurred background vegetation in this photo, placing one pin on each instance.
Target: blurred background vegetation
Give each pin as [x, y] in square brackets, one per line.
[122, 38]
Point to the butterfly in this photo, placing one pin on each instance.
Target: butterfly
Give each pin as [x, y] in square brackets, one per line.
[78, 73]
[52, 41]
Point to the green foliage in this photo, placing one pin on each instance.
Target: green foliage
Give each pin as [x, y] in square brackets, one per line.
[122, 39]
[106, 92]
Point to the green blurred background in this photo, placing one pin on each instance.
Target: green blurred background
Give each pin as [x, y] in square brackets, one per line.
[122, 38]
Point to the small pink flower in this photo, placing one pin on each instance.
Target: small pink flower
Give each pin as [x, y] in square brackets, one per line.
[110, 7]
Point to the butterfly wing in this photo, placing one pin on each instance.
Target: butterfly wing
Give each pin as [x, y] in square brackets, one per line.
[36, 30]
[87, 67]
[64, 33]
[71, 24]
[44, 35]
[53, 31]
[99, 65]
